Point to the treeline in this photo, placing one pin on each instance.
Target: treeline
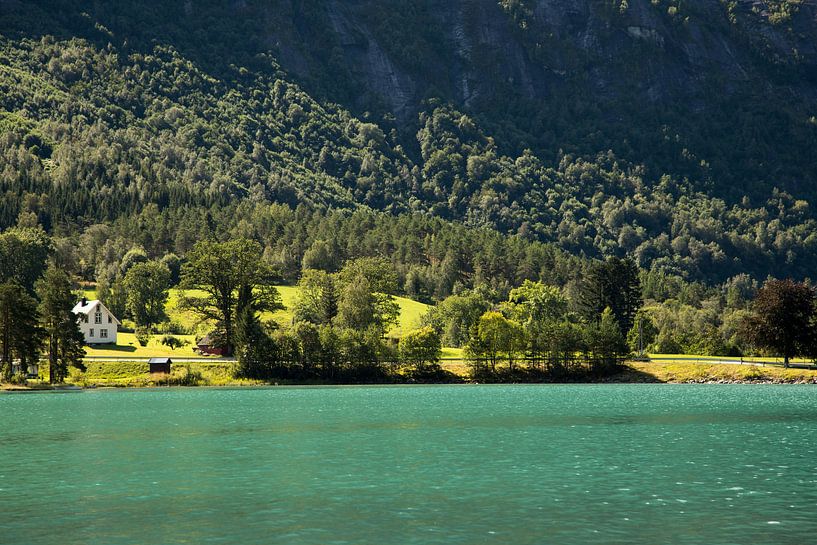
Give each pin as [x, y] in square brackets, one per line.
[541, 329]
[433, 260]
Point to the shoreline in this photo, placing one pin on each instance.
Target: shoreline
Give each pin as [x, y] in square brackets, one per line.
[632, 373]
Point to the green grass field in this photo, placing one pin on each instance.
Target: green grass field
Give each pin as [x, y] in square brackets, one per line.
[410, 314]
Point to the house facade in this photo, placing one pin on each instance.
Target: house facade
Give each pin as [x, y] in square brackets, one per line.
[97, 323]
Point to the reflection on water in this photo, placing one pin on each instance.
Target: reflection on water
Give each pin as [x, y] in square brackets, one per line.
[640, 464]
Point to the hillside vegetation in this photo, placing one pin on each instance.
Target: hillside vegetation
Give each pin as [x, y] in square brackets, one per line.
[678, 133]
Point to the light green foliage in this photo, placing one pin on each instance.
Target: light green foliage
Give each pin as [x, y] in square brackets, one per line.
[643, 333]
[173, 342]
[317, 299]
[605, 341]
[421, 347]
[497, 339]
[322, 255]
[542, 311]
[146, 286]
[377, 271]
[456, 315]
[143, 335]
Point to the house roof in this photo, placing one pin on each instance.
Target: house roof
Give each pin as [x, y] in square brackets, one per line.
[207, 340]
[88, 306]
[85, 308]
[160, 360]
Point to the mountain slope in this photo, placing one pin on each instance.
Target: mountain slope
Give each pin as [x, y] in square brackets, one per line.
[679, 134]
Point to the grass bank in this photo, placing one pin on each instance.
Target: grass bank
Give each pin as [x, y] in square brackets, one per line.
[135, 375]
[713, 373]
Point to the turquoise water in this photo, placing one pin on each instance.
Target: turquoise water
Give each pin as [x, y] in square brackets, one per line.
[634, 464]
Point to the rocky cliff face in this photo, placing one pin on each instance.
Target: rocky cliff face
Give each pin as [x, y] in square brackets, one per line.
[648, 51]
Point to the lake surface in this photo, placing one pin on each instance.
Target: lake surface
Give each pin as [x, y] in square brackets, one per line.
[634, 464]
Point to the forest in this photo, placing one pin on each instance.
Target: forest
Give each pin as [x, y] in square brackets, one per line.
[130, 134]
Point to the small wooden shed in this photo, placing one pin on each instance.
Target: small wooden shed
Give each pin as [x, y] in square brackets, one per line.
[207, 346]
[160, 365]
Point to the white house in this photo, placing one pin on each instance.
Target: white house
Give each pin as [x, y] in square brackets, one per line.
[97, 323]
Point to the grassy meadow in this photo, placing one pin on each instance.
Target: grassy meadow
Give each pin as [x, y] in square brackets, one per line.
[126, 346]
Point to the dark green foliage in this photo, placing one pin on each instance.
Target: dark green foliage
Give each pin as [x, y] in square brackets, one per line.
[236, 280]
[144, 107]
[64, 340]
[614, 285]
[20, 331]
[174, 266]
[23, 254]
[131, 131]
[783, 319]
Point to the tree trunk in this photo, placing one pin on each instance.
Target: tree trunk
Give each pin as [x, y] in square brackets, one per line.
[52, 358]
[5, 357]
[786, 361]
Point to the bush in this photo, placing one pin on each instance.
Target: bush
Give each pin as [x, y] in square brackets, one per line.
[142, 336]
[186, 377]
[174, 328]
[173, 342]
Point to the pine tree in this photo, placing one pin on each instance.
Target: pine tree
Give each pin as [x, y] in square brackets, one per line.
[20, 334]
[61, 325]
[614, 284]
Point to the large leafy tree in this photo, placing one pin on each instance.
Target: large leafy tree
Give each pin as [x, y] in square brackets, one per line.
[495, 338]
[541, 310]
[233, 276]
[456, 315]
[23, 255]
[421, 347]
[360, 308]
[317, 300]
[146, 286]
[60, 325]
[782, 319]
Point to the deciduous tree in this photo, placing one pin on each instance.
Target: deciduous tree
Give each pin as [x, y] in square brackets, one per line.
[233, 276]
[783, 319]
[146, 288]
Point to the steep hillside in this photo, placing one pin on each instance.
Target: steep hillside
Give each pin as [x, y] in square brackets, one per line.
[680, 133]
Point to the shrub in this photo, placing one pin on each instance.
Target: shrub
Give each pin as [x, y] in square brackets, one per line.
[142, 336]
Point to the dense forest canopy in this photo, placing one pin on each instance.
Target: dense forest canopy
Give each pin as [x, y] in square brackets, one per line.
[680, 134]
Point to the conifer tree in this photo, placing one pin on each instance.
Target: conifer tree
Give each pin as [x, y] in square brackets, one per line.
[64, 338]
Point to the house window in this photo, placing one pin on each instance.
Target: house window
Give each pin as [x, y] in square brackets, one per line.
[110, 319]
[85, 318]
[91, 332]
[97, 317]
[103, 333]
